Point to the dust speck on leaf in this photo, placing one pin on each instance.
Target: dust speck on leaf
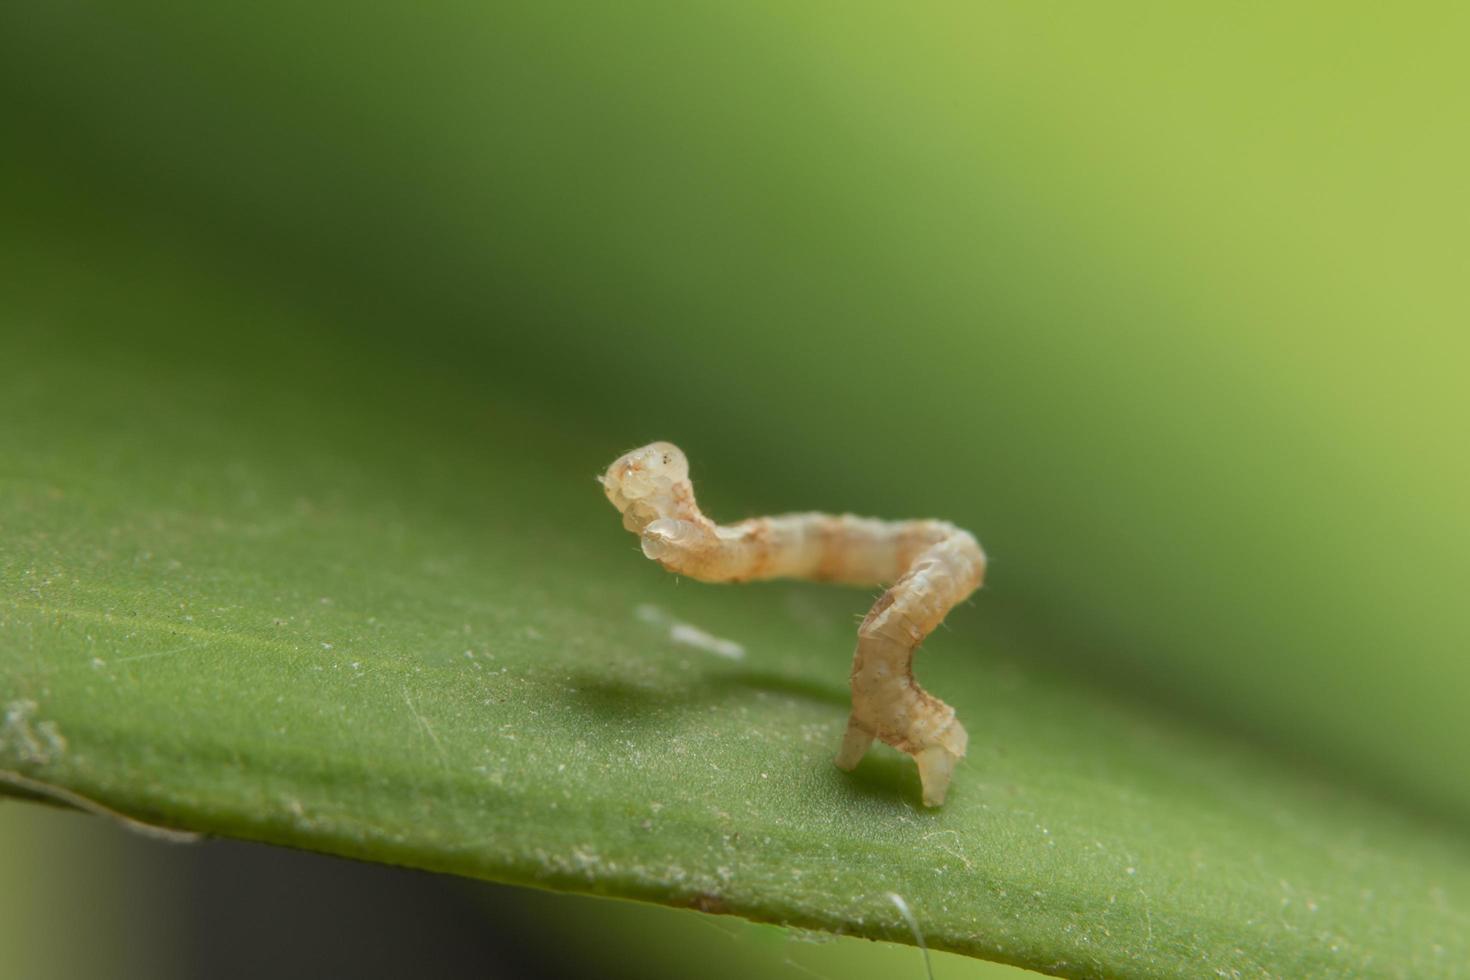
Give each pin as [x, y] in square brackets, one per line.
[689, 635]
[35, 742]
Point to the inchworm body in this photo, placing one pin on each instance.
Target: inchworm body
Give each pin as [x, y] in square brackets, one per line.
[933, 566]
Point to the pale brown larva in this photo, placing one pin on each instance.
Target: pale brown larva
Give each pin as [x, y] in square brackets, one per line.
[933, 566]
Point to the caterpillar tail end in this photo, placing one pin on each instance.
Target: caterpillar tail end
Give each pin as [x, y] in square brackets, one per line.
[937, 762]
[936, 767]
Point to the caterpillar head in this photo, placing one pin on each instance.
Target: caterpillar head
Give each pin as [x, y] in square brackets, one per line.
[642, 484]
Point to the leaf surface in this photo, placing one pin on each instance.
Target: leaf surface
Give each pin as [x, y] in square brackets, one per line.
[235, 605]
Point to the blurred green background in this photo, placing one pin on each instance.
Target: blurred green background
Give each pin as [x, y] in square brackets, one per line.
[1172, 299]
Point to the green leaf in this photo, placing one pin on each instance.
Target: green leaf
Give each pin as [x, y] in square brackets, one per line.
[243, 595]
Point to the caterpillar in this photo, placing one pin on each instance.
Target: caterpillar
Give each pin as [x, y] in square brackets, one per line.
[932, 565]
